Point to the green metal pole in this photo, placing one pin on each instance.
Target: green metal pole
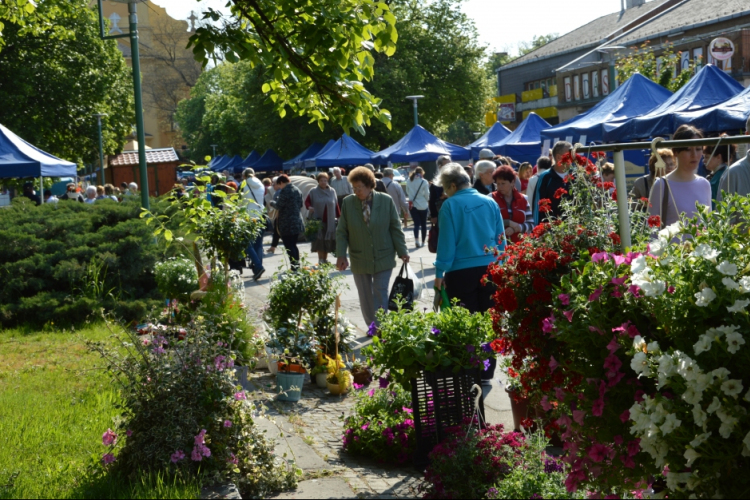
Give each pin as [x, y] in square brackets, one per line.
[132, 10]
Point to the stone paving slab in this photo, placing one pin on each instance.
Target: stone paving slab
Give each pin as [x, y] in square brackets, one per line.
[331, 487]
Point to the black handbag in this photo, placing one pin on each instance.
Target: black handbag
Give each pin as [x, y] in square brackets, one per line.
[403, 289]
[432, 239]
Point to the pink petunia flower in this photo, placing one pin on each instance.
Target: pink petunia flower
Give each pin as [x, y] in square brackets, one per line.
[407, 410]
[548, 324]
[597, 408]
[613, 346]
[227, 424]
[619, 281]
[619, 260]
[108, 458]
[553, 364]
[240, 396]
[595, 329]
[600, 257]
[635, 290]
[177, 456]
[128, 433]
[595, 296]
[578, 416]
[546, 406]
[612, 364]
[109, 438]
[569, 315]
[598, 452]
[625, 416]
[564, 299]
[634, 447]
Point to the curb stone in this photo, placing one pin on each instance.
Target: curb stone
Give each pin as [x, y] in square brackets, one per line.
[221, 492]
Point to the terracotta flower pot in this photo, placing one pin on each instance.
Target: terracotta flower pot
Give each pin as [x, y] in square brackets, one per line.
[289, 368]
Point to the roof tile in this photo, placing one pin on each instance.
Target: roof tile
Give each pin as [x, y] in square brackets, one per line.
[165, 155]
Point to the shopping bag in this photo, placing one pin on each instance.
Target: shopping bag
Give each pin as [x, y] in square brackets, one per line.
[403, 289]
[432, 239]
[418, 284]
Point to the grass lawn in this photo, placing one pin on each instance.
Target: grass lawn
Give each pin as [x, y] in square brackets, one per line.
[54, 406]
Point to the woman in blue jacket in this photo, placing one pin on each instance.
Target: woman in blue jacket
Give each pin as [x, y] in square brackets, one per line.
[471, 225]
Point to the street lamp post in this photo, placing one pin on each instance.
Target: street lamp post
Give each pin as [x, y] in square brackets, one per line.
[214, 146]
[140, 132]
[415, 98]
[101, 146]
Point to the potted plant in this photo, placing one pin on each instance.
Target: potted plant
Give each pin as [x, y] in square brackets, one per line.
[295, 347]
[361, 373]
[320, 374]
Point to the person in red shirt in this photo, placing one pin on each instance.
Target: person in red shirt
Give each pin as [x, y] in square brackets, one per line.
[514, 206]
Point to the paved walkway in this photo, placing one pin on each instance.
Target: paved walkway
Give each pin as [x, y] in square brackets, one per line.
[310, 431]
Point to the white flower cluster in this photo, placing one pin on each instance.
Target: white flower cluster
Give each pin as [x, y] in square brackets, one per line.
[642, 278]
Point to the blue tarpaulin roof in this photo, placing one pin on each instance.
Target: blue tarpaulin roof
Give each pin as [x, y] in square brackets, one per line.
[727, 116]
[20, 159]
[636, 97]
[495, 134]
[299, 160]
[217, 161]
[345, 152]
[420, 145]
[236, 160]
[249, 160]
[269, 162]
[711, 86]
[309, 163]
[525, 143]
[227, 163]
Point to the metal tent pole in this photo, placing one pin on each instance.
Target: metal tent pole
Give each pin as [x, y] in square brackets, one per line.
[623, 210]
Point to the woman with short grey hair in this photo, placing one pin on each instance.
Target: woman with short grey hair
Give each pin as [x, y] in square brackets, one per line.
[90, 194]
[469, 224]
[484, 183]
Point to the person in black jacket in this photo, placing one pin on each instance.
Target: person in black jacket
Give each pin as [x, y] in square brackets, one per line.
[290, 223]
[379, 185]
[551, 181]
[437, 197]
[484, 183]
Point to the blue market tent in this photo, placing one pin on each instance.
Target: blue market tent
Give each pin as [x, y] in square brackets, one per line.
[309, 163]
[299, 160]
[226, 163]
[525, 143]
[19, 159]
[495, 134]
[636, 97]
[217, 161]
[269, 162]
[420, 145]
[727, 116]
[251, 158]
[345, 152]
[236, 160]
[711, 86]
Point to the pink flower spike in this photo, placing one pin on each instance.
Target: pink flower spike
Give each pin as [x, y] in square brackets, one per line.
[108, 459]
[578, 416]
[564, 299]
[598, 452]
[109, 438]
[595, 296]
[553, 364]
[569, 315]
[619, 260]
[600, 257]
[546, 406]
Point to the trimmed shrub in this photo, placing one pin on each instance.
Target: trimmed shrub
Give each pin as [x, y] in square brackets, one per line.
[62, 262]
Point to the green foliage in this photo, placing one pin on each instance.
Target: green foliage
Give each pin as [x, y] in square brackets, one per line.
[667, 74]
[321, 53]
[50, 388]
[408, 343]
[183, 412]
[176, 279]
[381, 426]
[57, 72]
[62, 262]
[536, 42]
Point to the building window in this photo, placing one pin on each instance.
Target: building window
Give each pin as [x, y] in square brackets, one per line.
[577, 87]
[595, 83]
[568, 90]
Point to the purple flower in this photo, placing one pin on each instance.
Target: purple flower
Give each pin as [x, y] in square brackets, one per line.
[435, 331]
[373, 330]
[177, 456]
[240, 396]
[491, 492]
[384, 383]
[358, 386]
[551, 465]
[487, 364]
[227, 423]
[486, 347]
[470, 348]
[564, 299]
[108, 458]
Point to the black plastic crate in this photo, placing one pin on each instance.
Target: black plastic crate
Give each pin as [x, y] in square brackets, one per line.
[442, 400]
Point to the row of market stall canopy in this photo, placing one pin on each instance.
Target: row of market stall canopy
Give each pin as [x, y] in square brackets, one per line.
[638, 110]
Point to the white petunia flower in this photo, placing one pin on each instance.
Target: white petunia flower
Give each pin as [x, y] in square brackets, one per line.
[727, 269]
[657, 247]
[732, 388]
[653, 288]
[691, 456]
[699, 416]
[639, 364]
[638, 265]
[745, 284]
[725, 430]
[714, 406]
[720, 374]
[692, 396]
[704, 297]
[687, 368]
[703, 344]
[670, 424]
[747, 397]
[700, 439]
[701, 382]
[653, 347]
[712, 255]
[746, 441]
[671, 231]
[734, 341]
[638, 343]
[739, 306]
[730, 283]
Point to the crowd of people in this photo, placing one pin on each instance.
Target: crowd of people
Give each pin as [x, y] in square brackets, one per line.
[89, 194]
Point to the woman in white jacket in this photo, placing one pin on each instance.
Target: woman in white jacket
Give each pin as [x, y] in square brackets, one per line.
[253, 191]
[418, 191]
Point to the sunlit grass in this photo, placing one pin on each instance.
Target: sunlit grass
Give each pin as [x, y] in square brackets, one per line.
[55, 403]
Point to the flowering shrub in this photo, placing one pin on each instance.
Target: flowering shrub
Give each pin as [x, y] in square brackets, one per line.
[654, 357]
[468, 464]
[536, 475]
[181, 411]
[381, 426]
[176, 278]
[407, 343]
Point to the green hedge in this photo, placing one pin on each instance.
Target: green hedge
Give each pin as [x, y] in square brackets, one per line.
[62, 262]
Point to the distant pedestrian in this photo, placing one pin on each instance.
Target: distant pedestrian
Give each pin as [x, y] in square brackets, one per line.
[370, 233]
[253, 192]
[542, 165]
[100, 192]
[90, 194]
[290, 220]
[548, 184]
[717, 160]
[677, 194]
[272, 195]
[341, 185]
[379, 186]
[396, 192]
[524, 174]
[484, 183]
[418, 190]
[72, 193]
[608, 173]
[30, 193]
[437, 196]
[469, 224]
[323, 206]
[737, 178]
[49, 197]
[109, 192]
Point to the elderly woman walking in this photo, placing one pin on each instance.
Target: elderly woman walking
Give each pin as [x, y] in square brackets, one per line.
[289, 220]
[370, 231]
[469, 223]
[323, 206]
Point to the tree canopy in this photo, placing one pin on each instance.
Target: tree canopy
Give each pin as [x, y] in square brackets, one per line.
[321, 53]
[50, 91]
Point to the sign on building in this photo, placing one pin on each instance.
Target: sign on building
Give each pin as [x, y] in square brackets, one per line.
[506, 112]
[605, 82]
[586, 88]
[568, 90]
[721, 49]
[577, 87]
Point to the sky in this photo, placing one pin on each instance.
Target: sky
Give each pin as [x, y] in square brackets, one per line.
[501, 23]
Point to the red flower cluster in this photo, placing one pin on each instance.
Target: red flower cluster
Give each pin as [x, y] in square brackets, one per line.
[545, 205]
[654, 221]
[605, 185]
[615, 238]
[614, 195]
[599, 154]
[560, 193]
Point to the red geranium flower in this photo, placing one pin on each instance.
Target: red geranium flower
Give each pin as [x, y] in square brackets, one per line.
[545, 205]
[654, 221]
[614, 237]
[560, 193]
[614, 195]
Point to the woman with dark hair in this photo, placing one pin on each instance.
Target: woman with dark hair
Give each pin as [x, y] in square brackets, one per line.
[370, 231]
[418, 191]
[718, 159]
[323, 205]
[677, 193]
[514, 206]
[289, 220]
